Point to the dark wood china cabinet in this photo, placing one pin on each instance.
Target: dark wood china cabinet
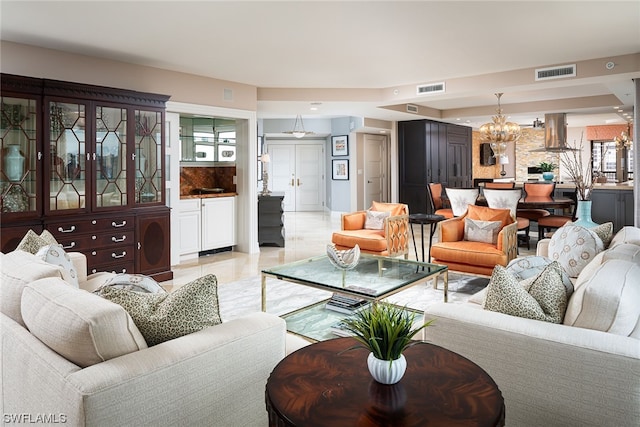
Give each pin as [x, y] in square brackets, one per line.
[86, 163]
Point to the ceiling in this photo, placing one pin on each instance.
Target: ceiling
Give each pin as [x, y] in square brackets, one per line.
[365, 58]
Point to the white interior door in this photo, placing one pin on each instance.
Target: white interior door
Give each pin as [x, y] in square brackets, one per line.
[282, 172]
[298, 171]
[309, 177]
[375, 182]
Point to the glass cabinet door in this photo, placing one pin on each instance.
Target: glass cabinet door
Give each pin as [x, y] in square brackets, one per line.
[20, 155]
[148, 144]
[111, 157]
[66, 156]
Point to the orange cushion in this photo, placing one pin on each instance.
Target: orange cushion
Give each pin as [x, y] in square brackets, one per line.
[523, 223]
[484, 213]
[465, 252]
[353, 221]
[394, 208]
[369, 240]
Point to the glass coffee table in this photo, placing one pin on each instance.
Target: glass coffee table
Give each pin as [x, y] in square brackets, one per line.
[374, 278]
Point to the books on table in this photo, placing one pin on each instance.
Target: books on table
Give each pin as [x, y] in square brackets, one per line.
[345, 304]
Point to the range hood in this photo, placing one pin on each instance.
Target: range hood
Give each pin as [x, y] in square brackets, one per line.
[555, 133]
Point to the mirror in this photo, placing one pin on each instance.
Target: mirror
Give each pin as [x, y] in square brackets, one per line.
[207, 140]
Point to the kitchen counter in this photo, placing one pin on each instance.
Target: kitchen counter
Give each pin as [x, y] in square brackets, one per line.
[207, 195]
[605, 186]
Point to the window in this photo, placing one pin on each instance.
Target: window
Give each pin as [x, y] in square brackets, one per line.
[604, 160]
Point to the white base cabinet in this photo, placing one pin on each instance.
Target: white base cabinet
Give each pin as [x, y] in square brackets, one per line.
[218, 222]
[206, 224]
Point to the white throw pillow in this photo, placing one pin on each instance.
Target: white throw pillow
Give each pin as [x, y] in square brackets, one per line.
[476, 230]
[80, 326]
[54, 254]
[608, 301]
[574, 247]
[627, 234]
[375, 219]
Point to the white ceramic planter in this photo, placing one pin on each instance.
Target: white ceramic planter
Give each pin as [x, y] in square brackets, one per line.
[386, 372]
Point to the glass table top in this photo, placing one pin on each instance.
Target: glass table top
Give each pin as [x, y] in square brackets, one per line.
[374, 276]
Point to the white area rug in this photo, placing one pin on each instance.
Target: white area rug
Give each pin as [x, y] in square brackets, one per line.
[244, 296]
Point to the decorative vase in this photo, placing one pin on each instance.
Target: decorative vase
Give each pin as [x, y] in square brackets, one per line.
[385, 371]
[14, 163]
[548, 176]
[583, 213]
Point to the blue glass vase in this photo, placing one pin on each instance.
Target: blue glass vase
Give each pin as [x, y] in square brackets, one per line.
[583, 213]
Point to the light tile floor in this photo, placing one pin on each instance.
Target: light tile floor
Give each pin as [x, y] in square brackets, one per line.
[307, 234]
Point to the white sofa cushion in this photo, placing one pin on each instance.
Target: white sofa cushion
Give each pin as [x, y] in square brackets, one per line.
[625, 251]
[626, 234]
[608, 301]
[20, 268]
[574, 247]
[83, 328]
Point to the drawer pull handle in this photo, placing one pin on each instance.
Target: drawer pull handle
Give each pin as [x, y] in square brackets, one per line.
[122, 224]
[69, 230]
[116, 240]
[122, 255]
[73, 244]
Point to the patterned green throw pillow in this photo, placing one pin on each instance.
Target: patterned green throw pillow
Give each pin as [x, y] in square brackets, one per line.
[544, 298]
[164, 316]
[32, 243]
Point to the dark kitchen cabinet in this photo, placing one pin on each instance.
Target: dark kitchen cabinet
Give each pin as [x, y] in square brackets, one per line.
[612, 206]
[431, 151]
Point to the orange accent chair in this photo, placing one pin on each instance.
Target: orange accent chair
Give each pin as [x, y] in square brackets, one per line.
[473, 256]
[435, 199]
[392, 240]
[536, 189]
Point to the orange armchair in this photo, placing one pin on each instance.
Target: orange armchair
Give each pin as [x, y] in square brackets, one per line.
[474, 256]
[392, 239]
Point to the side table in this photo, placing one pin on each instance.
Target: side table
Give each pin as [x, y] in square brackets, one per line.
[320, 385]
[422, 219]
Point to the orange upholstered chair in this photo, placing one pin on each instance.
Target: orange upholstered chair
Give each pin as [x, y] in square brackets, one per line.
[479, 257]
[553, 222]
[536, 189]
[381, 230]
[499, 185]
[435, 199]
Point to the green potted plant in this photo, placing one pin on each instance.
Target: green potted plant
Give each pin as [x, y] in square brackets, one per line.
[547, 170]
[386, 330]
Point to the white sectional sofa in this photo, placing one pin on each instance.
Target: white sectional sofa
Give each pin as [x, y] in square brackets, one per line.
[561, 374]
[214, 377]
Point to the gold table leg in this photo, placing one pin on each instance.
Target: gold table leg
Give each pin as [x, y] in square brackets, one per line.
[264, 292]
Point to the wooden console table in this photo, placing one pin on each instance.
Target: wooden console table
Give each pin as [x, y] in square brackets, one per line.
[319, 386]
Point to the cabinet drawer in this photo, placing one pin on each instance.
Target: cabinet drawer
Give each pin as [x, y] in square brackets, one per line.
[102, 256]
[96, 225]
[189, 205]
[88, 242]
[124, 267]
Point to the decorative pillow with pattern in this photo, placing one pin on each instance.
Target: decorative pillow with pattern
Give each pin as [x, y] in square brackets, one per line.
[32, 243]
[133, 282]
[375, 219]
[543, 298]
[481, 231]
[54, 254]
[530, 266]
[604, 232]
[164, 316]
[574, 247]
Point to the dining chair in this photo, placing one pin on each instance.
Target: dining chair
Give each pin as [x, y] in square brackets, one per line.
[553, 222]
[461, 198]
[508, 199]
[434, 193]
[536, 189]
[499, 185]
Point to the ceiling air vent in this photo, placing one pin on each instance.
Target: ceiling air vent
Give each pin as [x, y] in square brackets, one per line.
[430, 88]
[558, 72]
[411, 108]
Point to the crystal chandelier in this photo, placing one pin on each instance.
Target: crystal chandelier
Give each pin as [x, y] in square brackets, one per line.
[624, 140]
[499, 132]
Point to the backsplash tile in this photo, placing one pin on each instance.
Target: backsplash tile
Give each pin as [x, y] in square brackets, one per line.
[194, 178]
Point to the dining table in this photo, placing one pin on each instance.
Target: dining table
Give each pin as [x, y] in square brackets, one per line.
[537, 202]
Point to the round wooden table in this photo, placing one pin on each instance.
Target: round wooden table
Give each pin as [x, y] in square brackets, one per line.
[320, 386]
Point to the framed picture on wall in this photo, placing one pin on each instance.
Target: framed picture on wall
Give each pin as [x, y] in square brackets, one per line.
[340, 170]
[340, 145]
